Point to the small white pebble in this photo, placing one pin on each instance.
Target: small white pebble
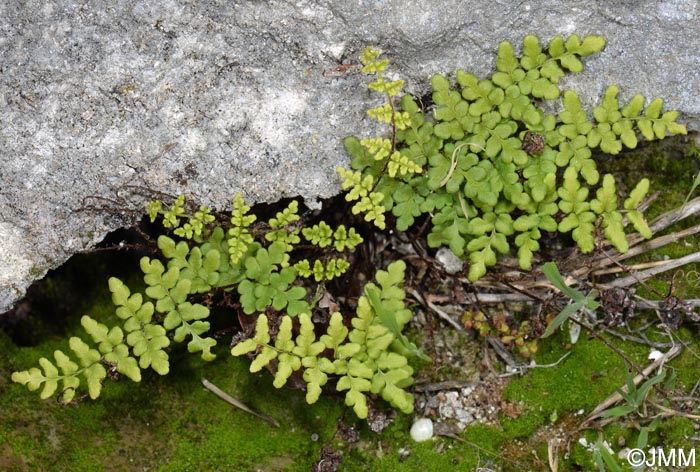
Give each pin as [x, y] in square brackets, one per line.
[422, 429]
[449, 261]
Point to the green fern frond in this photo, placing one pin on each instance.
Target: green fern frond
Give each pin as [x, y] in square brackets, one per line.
[365, 358]
[239, 236]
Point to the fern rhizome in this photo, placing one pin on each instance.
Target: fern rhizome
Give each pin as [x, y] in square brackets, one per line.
[488, 165]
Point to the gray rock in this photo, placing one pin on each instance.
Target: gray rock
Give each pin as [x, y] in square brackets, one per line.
[210, 98]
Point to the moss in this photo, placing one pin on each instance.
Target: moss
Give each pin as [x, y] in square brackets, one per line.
[170, 421]
[409, 456]
[581, 457]
[589, 374]
[676, 432]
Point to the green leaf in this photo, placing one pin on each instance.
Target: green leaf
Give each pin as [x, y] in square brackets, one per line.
[449, 228]
[172, 250]
[244, 347]
[646, 386]
[506, 61]
[346, 239]
[336, 332]
[319, 234]
[120, 292]
[551, 271]
[263, 359]
[637, 195]
[653, 110]
[361, 159]
[391, 361]
[573, 116]
[286, 366]
[623, 410]
[389, 320]
[634, 107]
[407, 206]
[148, 344]
[527, 244]
[532, 53]
[315, 379]
[609, 111]
[606, 196]
[591, 44]
[541, 176]
[639, 223]
[358, 401]
[124, 363]
[606, 457]
[561, 318]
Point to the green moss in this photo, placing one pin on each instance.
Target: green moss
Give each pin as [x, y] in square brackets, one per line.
[170, 421]
[676, 432]
[590, 373]
[409, 456]
[581, 457]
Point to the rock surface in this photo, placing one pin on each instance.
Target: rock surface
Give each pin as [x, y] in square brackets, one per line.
[210, 98]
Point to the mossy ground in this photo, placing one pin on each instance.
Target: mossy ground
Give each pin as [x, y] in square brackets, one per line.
[172, 423]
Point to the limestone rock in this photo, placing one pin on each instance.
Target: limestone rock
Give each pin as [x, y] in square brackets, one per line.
[210, 98]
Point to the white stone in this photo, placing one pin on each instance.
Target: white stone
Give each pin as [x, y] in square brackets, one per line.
[422, 429]
[449, 261]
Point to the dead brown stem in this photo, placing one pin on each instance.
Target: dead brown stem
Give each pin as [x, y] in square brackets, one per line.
[646, 274]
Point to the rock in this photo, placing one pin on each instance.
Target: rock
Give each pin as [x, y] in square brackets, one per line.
[449, 261]
[422, 429]
[210, 98]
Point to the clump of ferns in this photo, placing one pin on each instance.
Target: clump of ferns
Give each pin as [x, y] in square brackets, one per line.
[366, 353]
[491, 169]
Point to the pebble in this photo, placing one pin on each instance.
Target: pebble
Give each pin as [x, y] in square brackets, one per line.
[422, 429]
[449, 261]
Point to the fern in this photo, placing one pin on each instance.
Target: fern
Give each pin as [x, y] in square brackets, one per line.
[279, 224]
[137, 344]
[371, 202]
[492, 168]
[195, 227]
[266, 284]
[239, 236]
[320, 235]
[367, 359]
[145, 338]
[257, 264]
